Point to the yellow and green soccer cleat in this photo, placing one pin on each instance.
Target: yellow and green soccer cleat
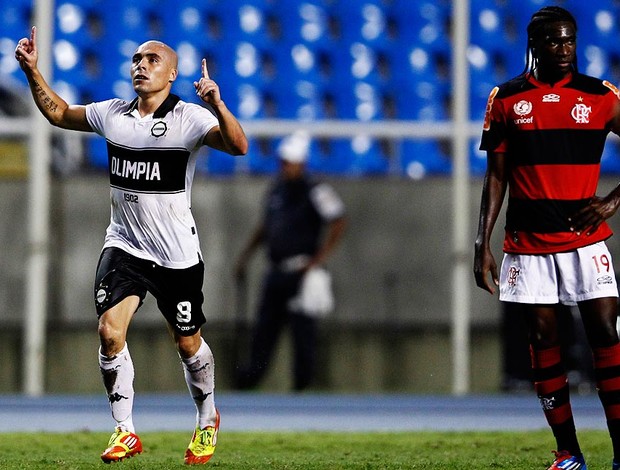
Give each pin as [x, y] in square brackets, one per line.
[122, 444]
[202, 445]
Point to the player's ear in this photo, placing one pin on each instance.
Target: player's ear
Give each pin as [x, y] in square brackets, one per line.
[173, 75]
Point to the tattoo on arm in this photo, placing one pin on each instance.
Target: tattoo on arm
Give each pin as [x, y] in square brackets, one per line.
[45, 100]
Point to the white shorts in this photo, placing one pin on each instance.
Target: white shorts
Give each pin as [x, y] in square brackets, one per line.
[567, 278]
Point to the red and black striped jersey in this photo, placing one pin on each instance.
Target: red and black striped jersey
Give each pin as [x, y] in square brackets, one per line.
[553, 138]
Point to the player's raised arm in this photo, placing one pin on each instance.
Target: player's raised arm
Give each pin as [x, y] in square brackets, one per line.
[228, 136]
[53, 107]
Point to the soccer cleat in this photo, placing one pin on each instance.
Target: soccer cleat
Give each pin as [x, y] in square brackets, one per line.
[566, 461]
[202, 445]
[122, 444]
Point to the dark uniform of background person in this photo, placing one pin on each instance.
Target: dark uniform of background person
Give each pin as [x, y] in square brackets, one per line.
[302, 223]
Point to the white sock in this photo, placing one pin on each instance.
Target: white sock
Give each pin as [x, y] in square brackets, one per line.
[199, 373]
[118, 375]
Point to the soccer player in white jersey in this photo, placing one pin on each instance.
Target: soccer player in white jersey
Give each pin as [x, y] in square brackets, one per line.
[151, 244]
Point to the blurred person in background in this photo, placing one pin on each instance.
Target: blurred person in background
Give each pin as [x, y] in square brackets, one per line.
[151, 243]
[544, 134]
[303, 222]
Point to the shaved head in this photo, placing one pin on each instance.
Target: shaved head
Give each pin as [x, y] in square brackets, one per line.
[164, 50]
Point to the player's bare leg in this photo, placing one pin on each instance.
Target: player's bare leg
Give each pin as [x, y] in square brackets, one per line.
[117, 371]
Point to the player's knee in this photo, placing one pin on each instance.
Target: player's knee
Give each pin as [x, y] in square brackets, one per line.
[604, 335]
[112, 338]
[188, 345]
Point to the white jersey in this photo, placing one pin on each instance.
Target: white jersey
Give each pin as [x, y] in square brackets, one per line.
[151, 161]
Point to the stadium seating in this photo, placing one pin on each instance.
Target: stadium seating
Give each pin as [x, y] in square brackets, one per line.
[308, 22]
[14, 25]
[421, 158]
[262, 157]
[366, 60]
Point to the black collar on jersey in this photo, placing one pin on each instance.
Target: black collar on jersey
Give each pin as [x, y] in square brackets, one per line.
[168, 105]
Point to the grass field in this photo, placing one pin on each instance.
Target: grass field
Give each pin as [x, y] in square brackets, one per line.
[308, 450]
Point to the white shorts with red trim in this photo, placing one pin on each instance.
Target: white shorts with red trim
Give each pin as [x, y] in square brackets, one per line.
[567, 278]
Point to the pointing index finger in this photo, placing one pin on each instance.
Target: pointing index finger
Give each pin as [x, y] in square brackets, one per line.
[205, 72]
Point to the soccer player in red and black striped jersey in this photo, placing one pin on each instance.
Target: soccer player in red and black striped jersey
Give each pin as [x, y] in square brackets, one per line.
[544, 133]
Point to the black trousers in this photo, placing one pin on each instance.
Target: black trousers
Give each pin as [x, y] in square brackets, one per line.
[273, 316]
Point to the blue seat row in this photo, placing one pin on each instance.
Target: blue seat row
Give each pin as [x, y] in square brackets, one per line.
[313, 59]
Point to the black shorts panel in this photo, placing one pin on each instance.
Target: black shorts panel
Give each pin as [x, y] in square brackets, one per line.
[178, 291]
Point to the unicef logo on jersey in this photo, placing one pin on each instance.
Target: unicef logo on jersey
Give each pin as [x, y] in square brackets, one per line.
[522, 109]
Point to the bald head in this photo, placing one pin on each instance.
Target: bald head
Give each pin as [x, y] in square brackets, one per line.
[166, 52]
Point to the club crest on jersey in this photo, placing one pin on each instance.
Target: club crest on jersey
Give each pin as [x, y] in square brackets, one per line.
[159, 129]
[101, 295]
[581, 113]
[513, 275]
[522, 109]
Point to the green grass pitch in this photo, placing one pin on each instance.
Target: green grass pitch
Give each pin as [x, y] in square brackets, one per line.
[307, 450]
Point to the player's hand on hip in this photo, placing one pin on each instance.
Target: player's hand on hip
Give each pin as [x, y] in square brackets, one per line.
[207, 89]
[592, 215]
[26, 52]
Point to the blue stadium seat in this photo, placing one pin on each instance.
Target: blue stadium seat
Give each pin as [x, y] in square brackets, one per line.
[477, 158]
[489, 27]
[358, 100]
[14, 24]
[610, 161]
[76, 50]
[364, 21]
[246, 100]
[361, 155]
[247, 21]
[262, 157]
[189, 19]
[371, 158]
[243, 78]
[483, 78]
[331, 157]
[301, 95]
[299, 99]
[97, 151]
[300, 61]
[242, 61]
[597, 23]
[366, 63]
[420, 87]
[422, 158]
[305, 22]
[595, 60]
[424, 23]
[216, 163]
